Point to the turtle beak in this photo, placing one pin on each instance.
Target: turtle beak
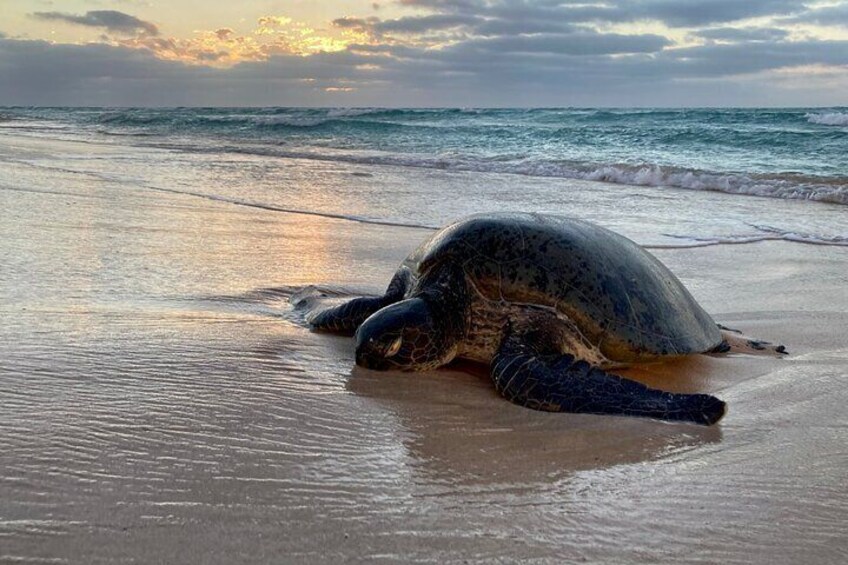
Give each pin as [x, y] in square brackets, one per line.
[373, 362]
[373, 357]
[361, 358]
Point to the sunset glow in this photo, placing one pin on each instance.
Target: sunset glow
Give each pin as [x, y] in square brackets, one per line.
[450, 48]
[223, 47]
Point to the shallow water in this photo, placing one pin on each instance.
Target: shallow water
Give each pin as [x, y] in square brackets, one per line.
[160, 399]
[413, 196]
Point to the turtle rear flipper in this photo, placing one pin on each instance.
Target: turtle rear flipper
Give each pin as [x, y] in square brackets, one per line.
[734, 341]
[346, 318]
[526, 375]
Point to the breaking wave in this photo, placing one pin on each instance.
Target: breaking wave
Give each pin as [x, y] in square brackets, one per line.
[786, 186]
[243, 122]
[794, 187]
[829, 119]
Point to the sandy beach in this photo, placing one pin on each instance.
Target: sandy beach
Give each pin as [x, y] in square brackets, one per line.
[161, 400]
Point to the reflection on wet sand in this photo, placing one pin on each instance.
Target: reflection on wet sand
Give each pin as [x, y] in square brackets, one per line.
[461, 430]
[457, 428]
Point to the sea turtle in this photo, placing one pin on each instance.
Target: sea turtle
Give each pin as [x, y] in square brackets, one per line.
[549, 303]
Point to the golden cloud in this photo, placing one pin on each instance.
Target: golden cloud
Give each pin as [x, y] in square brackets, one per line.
[272, 24]
[222, 47]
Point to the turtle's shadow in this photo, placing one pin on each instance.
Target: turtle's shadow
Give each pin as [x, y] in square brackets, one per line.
[460, 429]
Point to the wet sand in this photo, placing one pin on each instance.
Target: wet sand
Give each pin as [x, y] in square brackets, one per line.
[161, 402]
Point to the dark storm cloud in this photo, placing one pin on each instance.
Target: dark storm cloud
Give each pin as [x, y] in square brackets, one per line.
[112, 20]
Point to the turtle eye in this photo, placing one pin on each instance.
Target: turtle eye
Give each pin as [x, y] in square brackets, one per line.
[394, 347]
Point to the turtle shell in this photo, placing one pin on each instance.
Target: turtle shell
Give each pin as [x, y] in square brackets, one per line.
[620, 296]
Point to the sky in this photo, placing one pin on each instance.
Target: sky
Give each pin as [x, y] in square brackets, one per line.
[404, 53]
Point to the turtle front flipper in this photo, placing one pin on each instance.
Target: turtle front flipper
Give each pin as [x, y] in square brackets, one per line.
[529, 372]
[346, 318]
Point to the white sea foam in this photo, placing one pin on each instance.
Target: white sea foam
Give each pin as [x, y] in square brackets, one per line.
[773, 186]
[766, 233]
[829, 119]
[793, 187]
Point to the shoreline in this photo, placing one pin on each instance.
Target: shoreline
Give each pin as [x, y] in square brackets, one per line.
[829, 214]
[782, 185]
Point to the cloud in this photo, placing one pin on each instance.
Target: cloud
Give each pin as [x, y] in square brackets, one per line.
[703, 12]
[827, 15]
[458, 53]
[403, 28]
[721, 60]
[270, 24]
[219, 47]
[112, 20]
[580, 43]
[734, 34]
[347, 22]
[448, 21]
[273, 35]
[42, 73]
[421, 24]
[509, 26]
[671, 12]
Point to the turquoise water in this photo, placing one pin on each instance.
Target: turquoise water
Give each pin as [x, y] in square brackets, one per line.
[783, 153]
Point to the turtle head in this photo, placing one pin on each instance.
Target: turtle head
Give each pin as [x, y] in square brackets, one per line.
[404, 336]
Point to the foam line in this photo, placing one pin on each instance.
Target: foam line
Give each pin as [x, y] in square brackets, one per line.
[273, 208]
[234, 201]
[773, 234]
